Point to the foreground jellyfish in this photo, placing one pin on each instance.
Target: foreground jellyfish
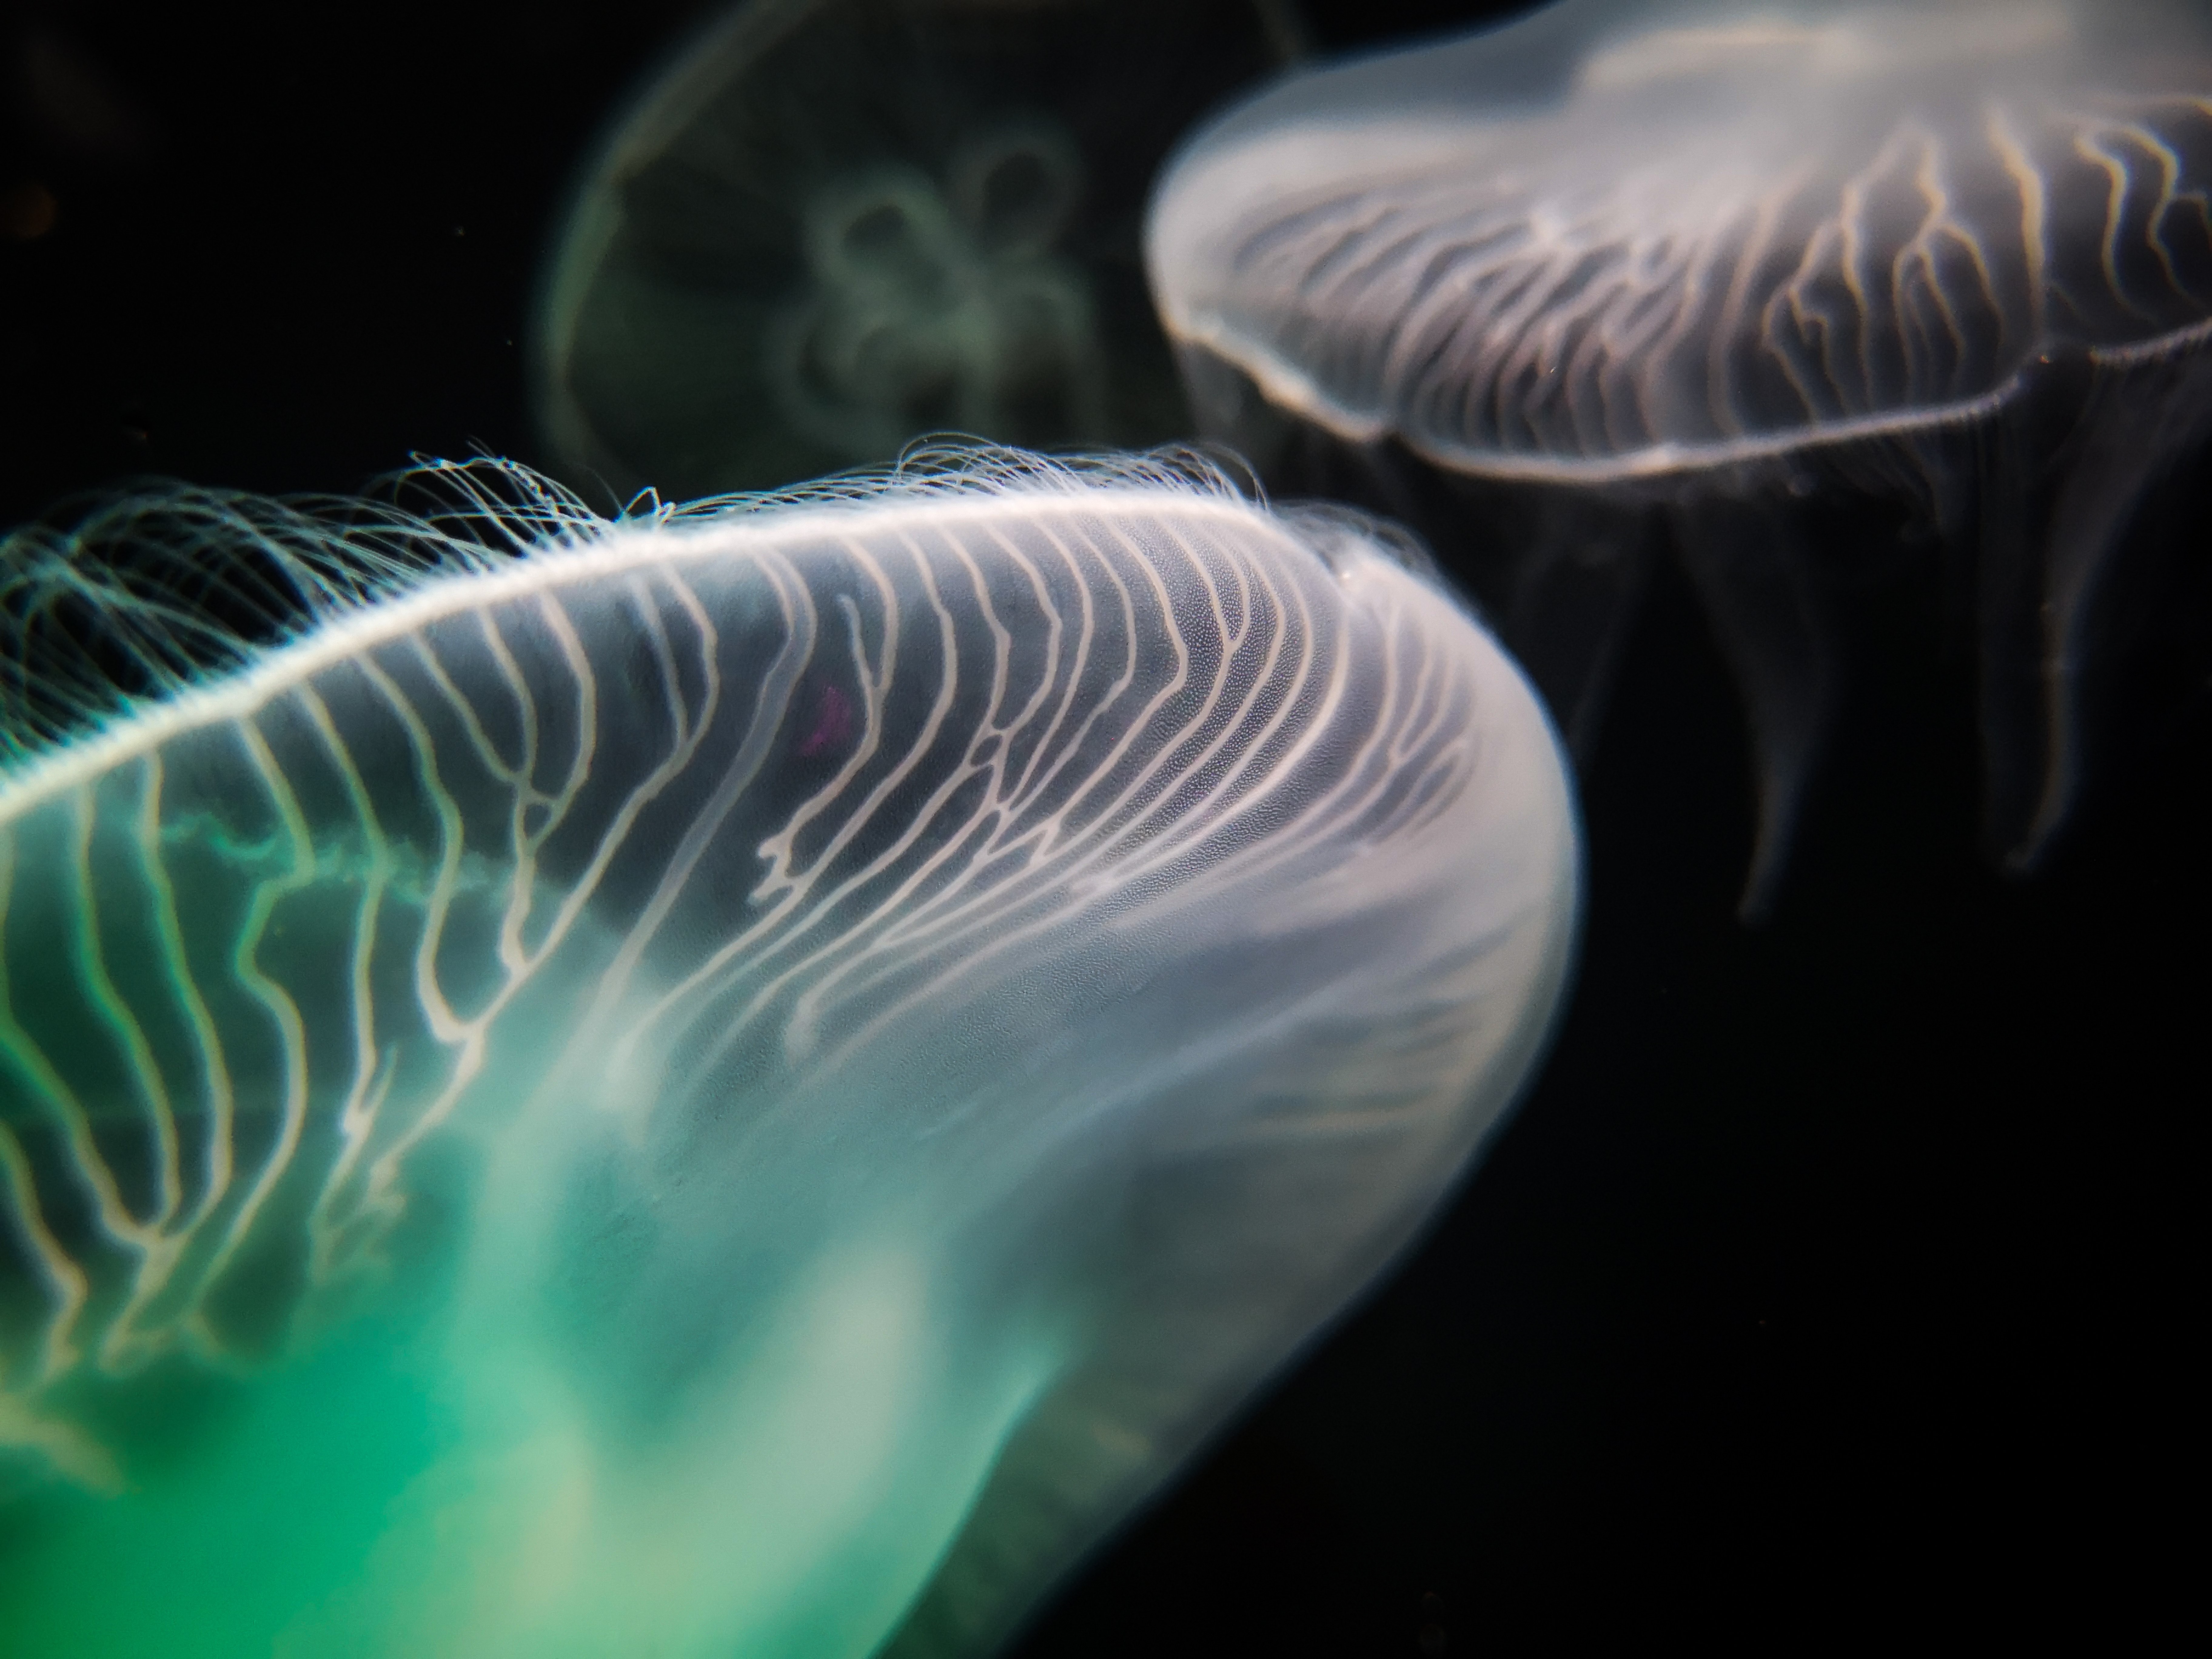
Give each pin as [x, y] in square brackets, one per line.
[833, 225]
[1788, 286]
[741, 1081]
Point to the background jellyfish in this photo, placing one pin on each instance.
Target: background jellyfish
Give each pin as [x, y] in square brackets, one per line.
[833, 227]
[1809, 294]
[664, 1086]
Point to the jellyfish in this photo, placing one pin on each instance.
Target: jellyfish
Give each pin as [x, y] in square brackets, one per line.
[1806, 293]
[740, 1079]
[834, 226]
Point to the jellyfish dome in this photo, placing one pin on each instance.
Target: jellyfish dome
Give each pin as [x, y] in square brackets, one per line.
[829, 226]
[1954, 256]
[746, 1079]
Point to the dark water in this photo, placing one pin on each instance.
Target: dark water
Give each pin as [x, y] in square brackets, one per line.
[1837, 1279]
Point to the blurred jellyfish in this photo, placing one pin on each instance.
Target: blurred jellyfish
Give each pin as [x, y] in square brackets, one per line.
[738, 1081]
[1797, 288]
[834, 225]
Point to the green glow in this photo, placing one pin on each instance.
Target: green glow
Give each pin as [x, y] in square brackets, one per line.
[425, 1491]
[745, 1085]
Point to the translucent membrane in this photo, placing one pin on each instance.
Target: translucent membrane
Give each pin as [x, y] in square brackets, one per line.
[832, 226]
[1956, 255]
[741, 1081]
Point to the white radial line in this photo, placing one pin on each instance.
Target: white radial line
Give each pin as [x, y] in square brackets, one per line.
[2091, 148]
[1515, 319]
[20, 1051]
[795, 889]
[1598, 325]
[523, 843]
[1418, 306]
[1426, 762]
[1629, 343]
[1113, 820]
[894, 913]
[1011, 790]
[207, 1040]
[125, 1032]
[1662, 309]
[529, 796]
[782, 880]
[1008, 834]
[2170, 196]
[1064, 677]
[1731, 331]
[463, 1036]
[357, 1118]
[1938, 224]
[68, 1451]
[284, 1013]
[889, 857]
[1312, 283]
[158, 1249]
[948, 681]
[1232, 796]
[65, 1281]
[1102, 832]
[586, 685]
[1392, 297]
[525, 775]
[1528, 316]
[1429, 703]
[1292, 836]
[1103, 814]
[905, 920]
[1440, 736]
[446, 1026]
[1154, 852]
[1216, 876]
[1049, 826]
[992, 725]
[515, 776]
[771, 705]
[1348, 795]
[57, 1350]
[1543, 356]
[2034, 216]
[518, 777]
[1845, 233]
[1355, 243]
[1812, 328]
[472, 1036]
[525, 706]
[684, 735]
[1536, 366]
[1859, 251]
[995, 724]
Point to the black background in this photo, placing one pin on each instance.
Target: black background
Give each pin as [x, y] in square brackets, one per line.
[1835, 1284]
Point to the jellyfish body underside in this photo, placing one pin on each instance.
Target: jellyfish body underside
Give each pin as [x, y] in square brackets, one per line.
[1820, 304]
[664, 1098]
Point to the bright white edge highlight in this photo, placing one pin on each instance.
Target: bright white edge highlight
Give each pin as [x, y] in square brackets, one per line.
[1285, 1049]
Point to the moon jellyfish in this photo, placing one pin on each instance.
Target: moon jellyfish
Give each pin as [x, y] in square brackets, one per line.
[834, 225]
[741, 1080]
[1809, 294]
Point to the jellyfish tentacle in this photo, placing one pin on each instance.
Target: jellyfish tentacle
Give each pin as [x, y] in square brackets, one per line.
[1761, 587]
[1575, 588]
[1626, 251]
[2049, 567]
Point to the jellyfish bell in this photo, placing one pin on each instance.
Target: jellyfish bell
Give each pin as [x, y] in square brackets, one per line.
[830, 227]
[743, 1079]
[1789, 287]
